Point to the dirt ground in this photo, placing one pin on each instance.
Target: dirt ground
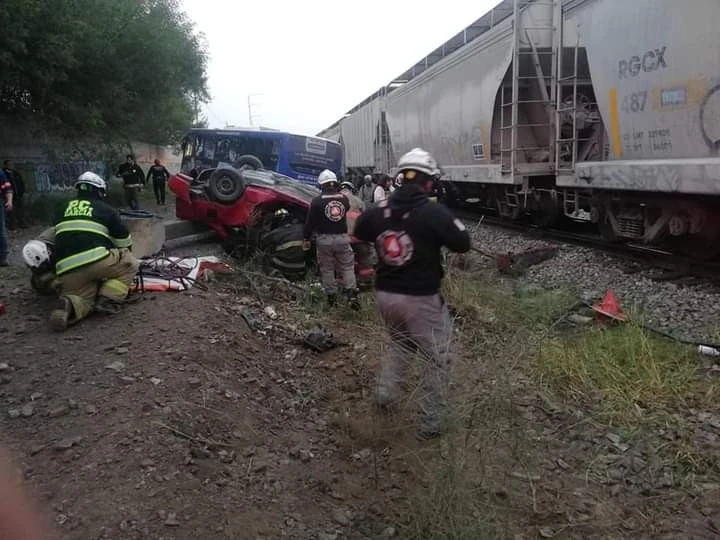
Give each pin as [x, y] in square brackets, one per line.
[175, 420]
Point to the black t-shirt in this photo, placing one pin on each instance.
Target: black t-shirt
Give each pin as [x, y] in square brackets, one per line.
[408, 231]
[327, 215]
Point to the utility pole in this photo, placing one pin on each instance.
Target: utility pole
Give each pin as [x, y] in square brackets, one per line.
[196, 110]
[250, 105]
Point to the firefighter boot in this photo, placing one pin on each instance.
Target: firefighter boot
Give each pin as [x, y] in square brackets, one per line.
[353, 299]
[105, 306]
[62, 315]
[331, 299]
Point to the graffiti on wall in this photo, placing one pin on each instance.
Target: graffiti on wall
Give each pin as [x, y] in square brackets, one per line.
[49, 177]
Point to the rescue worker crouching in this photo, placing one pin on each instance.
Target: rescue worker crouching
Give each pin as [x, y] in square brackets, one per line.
[327, 220]
[409, 233]
[95, 266]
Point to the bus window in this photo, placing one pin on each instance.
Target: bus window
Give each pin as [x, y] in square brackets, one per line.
[231, 148]
[205, 150]
[188, 153]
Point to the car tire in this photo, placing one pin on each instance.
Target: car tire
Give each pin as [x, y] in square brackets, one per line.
[225, 186]
[283, 252]
[248, 162]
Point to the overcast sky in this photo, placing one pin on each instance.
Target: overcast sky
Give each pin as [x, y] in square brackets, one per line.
[313, 60]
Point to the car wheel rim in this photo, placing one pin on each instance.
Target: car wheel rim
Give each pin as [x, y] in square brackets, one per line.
[225, 185]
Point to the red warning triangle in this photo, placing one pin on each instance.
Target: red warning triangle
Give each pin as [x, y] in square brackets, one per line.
[610, 307]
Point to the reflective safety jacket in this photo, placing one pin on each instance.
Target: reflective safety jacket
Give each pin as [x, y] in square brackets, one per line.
[85, 232]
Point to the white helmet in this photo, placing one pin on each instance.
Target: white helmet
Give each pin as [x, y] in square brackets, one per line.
[347, 184]
[368, 177]
[91, 179]
[418, 160]
[326, 177]
[35, 253]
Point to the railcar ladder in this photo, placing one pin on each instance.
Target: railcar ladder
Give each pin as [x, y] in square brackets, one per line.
[523, 46]
[562, 166]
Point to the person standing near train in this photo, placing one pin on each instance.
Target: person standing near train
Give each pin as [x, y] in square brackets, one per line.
[409, 231]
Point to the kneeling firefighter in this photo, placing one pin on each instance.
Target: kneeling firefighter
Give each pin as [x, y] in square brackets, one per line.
[327, 219]
[94, 265]
[409, 233]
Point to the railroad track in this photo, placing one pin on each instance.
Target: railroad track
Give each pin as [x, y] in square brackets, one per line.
[673, 265]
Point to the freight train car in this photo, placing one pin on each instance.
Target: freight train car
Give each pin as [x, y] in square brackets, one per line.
[602, 111]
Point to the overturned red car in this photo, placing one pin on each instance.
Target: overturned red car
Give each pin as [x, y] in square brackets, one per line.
[255, 211]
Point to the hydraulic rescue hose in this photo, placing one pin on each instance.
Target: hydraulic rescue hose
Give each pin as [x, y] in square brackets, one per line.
[163, 267]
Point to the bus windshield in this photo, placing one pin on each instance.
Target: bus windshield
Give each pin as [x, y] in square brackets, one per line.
[299, 157]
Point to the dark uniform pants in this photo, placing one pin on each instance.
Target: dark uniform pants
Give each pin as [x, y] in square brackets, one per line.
[110, 278]
[131, 196]
[335, 254]
[420, 330]
[16, 218]
[159, 190]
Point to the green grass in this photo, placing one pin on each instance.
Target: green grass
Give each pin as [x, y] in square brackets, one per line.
[630, 375]
[487, 477]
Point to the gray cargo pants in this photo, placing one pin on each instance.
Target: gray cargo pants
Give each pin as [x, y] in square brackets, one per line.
[335, 254]
[420, 327]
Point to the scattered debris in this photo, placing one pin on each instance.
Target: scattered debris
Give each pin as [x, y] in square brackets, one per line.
[340, 516]
[270, 312]
[172, 520]
[68, 443]
[320, 339]
[514, 264]
[27, 410]
[58, 411]
[116, 366]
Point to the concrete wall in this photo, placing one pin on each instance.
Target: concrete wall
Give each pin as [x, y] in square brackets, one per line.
[46, 173]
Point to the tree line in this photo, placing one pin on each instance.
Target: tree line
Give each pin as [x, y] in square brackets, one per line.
[115, 69]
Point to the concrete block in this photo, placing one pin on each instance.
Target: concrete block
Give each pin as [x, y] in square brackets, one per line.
[178, 228]
[148, 233]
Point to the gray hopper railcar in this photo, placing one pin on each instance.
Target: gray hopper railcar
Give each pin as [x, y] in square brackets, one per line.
[604, 111]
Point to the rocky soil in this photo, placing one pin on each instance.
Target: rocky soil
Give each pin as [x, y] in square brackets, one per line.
[689, 309]
[174, 419]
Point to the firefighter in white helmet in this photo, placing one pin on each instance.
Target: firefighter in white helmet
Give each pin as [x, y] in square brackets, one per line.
[409, 232]
[94, 263]
[327, 219]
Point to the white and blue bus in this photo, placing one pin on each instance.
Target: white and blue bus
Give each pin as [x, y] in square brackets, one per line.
[297, 156]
